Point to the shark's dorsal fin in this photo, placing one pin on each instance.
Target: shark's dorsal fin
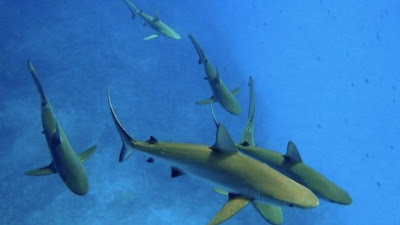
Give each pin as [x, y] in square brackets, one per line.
[292, 153]
[175, 172]
[150, 160]
[50, 169]
[152, 140]
[234, 204]
[156, 17]
[217, 78]
[56, 138]
[224, 142]
[272, 214]
[83, 156]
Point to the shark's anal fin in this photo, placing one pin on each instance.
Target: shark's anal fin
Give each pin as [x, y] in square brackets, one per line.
[206, 101]
[151, 37]
[50, 169]
[272, 214]
[224, 142]
[234, 204]
[83, 156]
[175, 172]
[292, 153]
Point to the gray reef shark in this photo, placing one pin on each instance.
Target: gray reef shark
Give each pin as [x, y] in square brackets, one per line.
[65, 161]
[221, 93]
[291, 163]
[154, 22]
[244, 178]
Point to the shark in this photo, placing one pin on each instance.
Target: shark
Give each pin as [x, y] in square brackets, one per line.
[154, 22]
[221, 93]
[243, 178]
[291, 163]
[65, 161]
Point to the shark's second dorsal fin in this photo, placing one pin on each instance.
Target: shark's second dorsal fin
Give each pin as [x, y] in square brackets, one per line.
[224, 142]
[152, 140]
[234, 204]
[292, 153]
[156, 17]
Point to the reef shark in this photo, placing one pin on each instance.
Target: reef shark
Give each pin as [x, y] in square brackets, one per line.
[244, 178]
[154, 22]
[220, 92]
[65, 161]
[291, 163]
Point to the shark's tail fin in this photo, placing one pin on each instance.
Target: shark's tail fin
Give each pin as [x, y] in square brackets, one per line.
[127, 140]
[132, 8]
[202, 56]
[247, 134]
[36, 79]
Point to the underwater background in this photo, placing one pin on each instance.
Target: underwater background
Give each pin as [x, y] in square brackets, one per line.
[326, 76]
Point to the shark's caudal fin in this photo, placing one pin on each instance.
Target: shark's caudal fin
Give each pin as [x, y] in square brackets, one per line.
[126, 139]
[83, 156]
[200, 52]
[36, 79]
[50, 169]
[132, 8]
[247, 134]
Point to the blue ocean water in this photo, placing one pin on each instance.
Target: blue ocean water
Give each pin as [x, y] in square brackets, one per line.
[326, 76]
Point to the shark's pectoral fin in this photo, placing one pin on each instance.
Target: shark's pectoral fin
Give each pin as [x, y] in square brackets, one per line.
[273, 214]
[221, 191]
[292, 153]
[224, 142]
[235, 91]
[50, 169]
[83, 156]
[175, 172]
[206, 101]
[234, 204]
[151, 37]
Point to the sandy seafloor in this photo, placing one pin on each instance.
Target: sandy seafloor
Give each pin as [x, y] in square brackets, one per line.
[326, 76]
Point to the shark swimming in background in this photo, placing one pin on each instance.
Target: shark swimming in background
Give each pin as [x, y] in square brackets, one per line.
[243, 178]
[291, 163]
[221, 93]
[65, 161]
[154, 22]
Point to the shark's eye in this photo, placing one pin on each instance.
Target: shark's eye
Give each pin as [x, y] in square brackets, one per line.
[291, 205]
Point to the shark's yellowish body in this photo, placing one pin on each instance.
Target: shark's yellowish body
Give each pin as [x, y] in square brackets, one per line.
[221, 93]
[65, 161]
[290, 164]
[154, 22]
[244, 178]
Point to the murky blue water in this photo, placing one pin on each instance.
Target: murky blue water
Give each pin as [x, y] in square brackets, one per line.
[326, 76]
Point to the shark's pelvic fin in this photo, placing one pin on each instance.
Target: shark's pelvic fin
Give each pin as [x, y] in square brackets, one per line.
[207, 101]
[224, 142]
[50, 169]
[151, 37]
[273, 214]
[83, 156]
[292, 153]
[235, 91]
[234, 204]
[175, 172]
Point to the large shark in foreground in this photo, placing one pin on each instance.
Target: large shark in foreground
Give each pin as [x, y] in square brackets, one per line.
[65, 161]
[154, 22]
[291, 163]
[245, 179]
[221, 93]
